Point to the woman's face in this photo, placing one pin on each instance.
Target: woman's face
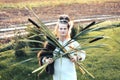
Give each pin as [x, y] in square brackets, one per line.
[63, 30]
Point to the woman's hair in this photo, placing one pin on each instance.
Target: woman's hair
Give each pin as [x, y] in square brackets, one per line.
[64, 19]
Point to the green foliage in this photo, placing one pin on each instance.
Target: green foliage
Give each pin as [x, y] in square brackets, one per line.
[6, 47]
[19, 53]
[102, 63]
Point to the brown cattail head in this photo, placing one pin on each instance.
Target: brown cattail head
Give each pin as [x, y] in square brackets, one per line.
[33, 23]
[96, 39]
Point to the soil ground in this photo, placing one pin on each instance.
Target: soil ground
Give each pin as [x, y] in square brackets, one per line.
[10, 16]
[75, 11]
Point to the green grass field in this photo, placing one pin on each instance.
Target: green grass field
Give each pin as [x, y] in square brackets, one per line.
[103, 63]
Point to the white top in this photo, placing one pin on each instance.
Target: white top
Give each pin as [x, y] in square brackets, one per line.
[64, 68]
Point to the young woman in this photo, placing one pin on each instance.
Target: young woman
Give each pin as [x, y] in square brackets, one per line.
[62, 68]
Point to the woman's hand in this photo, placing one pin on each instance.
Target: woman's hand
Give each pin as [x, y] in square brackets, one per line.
[73, 58]
[48, 60]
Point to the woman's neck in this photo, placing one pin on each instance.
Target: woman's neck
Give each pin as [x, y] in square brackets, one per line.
[63, 38]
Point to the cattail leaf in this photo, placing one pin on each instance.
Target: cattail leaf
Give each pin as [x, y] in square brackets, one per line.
[83, 48]
[26, 40]
[88, 47]
[36, 35]
[85, 70]
[37, 48]
[99, 22]
[40, 68]
[24, 61]
[81, 70]
[87, 37]
[82, 33]
[41, 71]
[105, 27]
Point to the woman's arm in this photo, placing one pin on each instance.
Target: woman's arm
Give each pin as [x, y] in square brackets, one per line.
[45, 54]
[78, 55]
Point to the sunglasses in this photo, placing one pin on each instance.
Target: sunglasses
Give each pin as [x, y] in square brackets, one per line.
[64, 18]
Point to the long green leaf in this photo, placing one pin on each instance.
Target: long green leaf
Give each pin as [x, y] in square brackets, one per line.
[24, 61]
[40, 68]
[85, 70]
[105, 27]
[41, 71]
[26, 40]
[37, 48]
[83, 48]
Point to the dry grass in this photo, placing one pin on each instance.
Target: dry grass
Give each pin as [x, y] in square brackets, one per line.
[36, 3]
[48, 10]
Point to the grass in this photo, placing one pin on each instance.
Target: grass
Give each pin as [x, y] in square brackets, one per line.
[44, 3]
[103, 63]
